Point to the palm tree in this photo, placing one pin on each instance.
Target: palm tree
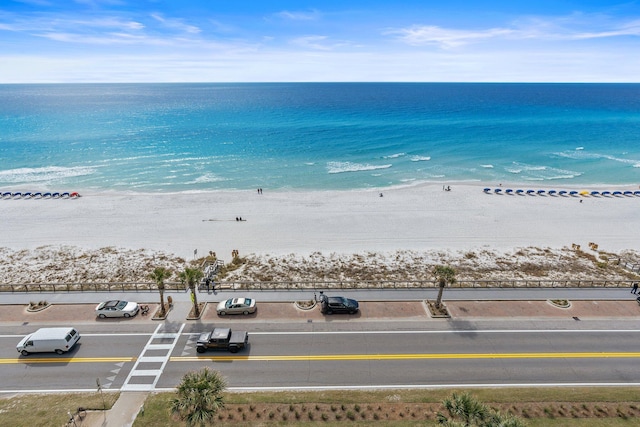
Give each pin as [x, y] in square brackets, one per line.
[191, 276]
[199, 396]
[444, 274]
[464, 410]
[158, 276]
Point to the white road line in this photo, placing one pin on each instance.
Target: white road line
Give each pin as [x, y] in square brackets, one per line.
[418, 331]
[156, 373]
[464, 331]
[347, 387]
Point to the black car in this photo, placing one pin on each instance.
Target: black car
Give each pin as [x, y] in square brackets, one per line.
[330, 305]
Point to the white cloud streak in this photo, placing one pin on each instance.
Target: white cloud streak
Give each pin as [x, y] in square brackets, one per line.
[550, 29]
[299, 16]
[176, 24]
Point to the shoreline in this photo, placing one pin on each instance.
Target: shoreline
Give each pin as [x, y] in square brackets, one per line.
[535, 185]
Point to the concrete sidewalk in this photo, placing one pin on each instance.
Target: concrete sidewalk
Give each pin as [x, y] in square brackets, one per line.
[123, 413]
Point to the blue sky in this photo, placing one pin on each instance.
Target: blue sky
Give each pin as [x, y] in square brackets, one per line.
[272, 41]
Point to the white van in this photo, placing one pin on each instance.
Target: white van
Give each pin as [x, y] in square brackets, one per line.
[59, 340]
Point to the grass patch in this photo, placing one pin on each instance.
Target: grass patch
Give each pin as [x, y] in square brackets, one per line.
[571, 407]
[49, 409]
[582, 407]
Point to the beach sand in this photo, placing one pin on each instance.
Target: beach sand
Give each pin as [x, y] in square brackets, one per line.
[416, 218]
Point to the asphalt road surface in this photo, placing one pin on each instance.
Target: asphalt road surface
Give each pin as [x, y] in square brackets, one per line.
[156, 356]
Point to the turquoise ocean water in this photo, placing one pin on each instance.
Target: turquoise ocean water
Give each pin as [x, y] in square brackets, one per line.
[315, 136]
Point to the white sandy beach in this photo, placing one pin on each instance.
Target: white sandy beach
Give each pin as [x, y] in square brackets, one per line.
[419, 218]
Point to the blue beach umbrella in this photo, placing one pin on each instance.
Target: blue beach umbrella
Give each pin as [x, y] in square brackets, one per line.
[606, 193]
[562, 192]
[595, 193]
[551, 192]
[46, 195]
[573, 193]
[56, 195]
[530, 191]
[541, 191]
[628, 193]
[17, 194]
[6, 194]
[636, 193]
[617, 193]
[519, 191]
[508, 191]
[498, 190]
[486, 190]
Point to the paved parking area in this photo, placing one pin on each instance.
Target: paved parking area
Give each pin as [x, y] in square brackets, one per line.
[369, 310]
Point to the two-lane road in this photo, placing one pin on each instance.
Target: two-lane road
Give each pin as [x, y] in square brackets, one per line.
[332, 359]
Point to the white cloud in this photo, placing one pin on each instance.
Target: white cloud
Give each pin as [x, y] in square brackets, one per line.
[176, 24]
[446, 38]
[311, 42]
[572, 27]
[299, 16]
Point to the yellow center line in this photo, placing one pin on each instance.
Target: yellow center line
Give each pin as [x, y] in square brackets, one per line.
[342, 357]
[328, 357]
[29, 360]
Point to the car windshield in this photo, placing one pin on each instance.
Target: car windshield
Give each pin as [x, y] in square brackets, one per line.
[122, 305]
[238, 302]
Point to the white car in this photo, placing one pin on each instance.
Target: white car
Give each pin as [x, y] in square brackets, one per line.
[115, 308]
[236, 306]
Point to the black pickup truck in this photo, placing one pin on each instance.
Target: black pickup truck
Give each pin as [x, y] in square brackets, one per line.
[223, 338]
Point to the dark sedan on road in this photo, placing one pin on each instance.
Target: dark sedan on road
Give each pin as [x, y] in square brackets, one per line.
[330, 305]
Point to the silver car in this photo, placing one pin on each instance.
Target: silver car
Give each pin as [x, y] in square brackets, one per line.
[115, 308]
[236, 306]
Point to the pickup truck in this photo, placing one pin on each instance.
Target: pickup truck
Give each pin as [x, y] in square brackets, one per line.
[223, 338]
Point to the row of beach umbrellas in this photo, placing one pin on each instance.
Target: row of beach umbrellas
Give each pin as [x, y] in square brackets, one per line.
[562, 192]
[39, 195]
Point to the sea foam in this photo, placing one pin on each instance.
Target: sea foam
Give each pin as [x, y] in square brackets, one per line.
[45, 174]
[341, 167]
